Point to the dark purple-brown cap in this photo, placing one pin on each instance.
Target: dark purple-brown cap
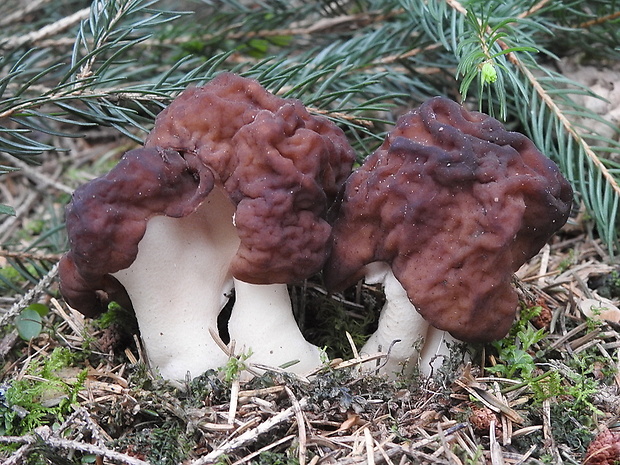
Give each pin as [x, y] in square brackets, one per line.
[604, 449]
[107, 218]
[455, 203]
[280, 166]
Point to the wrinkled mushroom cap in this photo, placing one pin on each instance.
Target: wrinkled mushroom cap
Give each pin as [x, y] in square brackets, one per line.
[604, 449]
[456, 204]
[280, 166]
[106, 219]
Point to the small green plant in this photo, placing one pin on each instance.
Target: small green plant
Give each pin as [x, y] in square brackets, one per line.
[43, 397]
[483, 55]
[15, 275]
[566, 263]
[275, 458]
[517, 358]
[546, 386]
[477, 458]
[331, 321]
[582, 386]
[118, 317]
[235, 365]
[29, 322]
[515, 350]
[572, 425]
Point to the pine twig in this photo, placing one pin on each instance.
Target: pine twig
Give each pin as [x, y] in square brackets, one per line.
[555, 110]
[30, 256]
[249, 436]
[601, 20]
[45, 436]
[46, 31]
[32, 294]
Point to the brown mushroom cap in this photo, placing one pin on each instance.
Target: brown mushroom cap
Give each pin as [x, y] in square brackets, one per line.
[456, 204]
[107, 218]
[280, 166]
[604, 449]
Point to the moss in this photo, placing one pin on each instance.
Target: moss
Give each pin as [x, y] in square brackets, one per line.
[44, 397]
[167, 444]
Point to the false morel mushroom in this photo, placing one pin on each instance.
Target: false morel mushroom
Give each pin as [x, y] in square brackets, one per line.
[604, 449]
[230, 191]
[443, 214]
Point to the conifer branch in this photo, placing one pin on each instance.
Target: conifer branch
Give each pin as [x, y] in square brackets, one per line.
[604, 210]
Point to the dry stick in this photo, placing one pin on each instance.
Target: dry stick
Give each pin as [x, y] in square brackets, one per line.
[356, 354]
[370, 447]
[316, 27]
[533, 9]
[384, 453]
[301, 425]
[496, 451]
[413, 52]
[30, 256]
[565, 338]
[38, 177]
[249, 436]
[97, 432]
[19, 15]
[44, 435]
[600, 20]
[393, 451]
[548, 433]
[426, 441]
[48, 30]
[544, 265]
[444, 444]
[112, 94]
[19, 455]
[234, 401]
[74, 320]
[30, 295]
[264, 449]
[527, 455]
[25, 203]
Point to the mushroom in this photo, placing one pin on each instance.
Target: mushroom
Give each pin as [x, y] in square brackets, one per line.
[604, 448]
[443, 214]
[231, 190]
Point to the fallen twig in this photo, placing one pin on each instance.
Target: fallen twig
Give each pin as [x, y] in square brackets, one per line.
[249, 436]
[44, 435]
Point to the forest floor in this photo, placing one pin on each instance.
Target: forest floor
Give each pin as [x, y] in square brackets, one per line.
[78, 391]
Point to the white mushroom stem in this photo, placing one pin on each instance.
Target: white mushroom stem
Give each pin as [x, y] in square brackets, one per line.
[409, 339]
[436, 350]
[178, 285]
[262, 322]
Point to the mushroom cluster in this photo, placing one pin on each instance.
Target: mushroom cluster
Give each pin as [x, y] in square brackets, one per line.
[232, 189]
[443, 214]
